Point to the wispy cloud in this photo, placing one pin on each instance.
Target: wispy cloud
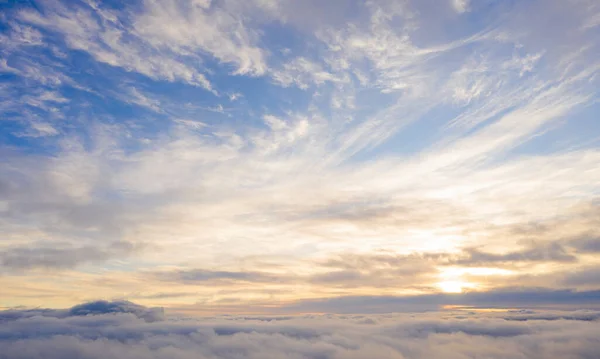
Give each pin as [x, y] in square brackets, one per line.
[390, 149]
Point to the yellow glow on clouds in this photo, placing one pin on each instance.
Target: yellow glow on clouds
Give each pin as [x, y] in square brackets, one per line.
[397, 172]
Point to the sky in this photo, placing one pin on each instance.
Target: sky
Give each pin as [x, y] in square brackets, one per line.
[284, 157]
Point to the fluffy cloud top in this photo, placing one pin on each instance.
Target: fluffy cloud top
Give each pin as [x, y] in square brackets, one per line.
[113, 330]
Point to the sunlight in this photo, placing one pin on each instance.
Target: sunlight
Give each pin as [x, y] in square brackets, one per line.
[454, 286]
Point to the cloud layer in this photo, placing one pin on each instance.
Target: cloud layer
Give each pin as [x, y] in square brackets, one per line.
[117, 332]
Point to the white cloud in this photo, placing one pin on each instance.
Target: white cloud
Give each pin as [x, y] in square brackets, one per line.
[274, 123]
[42, 129]
[186, 27]
[191, 123]
[118, 330]
[303, 73]
[235, 96]
[103, 36]
[140, 99]
[460, 5]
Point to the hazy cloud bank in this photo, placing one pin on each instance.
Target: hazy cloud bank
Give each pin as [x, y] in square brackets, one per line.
[118, 330]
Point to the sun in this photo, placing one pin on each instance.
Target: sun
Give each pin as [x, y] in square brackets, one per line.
[453, 286]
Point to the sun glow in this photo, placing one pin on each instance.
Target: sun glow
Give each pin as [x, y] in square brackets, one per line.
[452, 280]
[454, 286]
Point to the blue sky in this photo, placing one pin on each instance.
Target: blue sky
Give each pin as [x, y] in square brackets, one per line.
[228, 155]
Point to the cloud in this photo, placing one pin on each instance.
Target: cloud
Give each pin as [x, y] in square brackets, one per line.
[444, 335]
[460, 5]
[303, 73]
[95, 308]
[498, 298]
[343, 271]
[40, 129]
[105, 307]
[203, 275]
[586, 276]
[586, 245]
[544, 252]
[186, 27]
[377, 271]
[38, 255]
[526, 315]
[101, 33]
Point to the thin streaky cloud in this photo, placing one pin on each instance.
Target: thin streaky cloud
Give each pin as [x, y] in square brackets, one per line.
[280, 156]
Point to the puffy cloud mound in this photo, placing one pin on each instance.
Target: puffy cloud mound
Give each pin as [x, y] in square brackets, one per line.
[100, 307]
[104, 307]
[121, 330]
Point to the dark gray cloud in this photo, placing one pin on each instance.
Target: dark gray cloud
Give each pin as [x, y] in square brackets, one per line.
[339, 277]
[409, 271]
[586, 245]
[194, 276]
[543, 252]
[60, 256]
[105, 307]
[162, 295]
[588, 276]
[105, 332]
[407, 264]
[504, 298]
[346, 270]
[100, 307]
[378, 270]
[527, 315]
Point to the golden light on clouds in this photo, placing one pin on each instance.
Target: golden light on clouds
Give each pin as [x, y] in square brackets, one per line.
[454, 286]
[351, 156]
